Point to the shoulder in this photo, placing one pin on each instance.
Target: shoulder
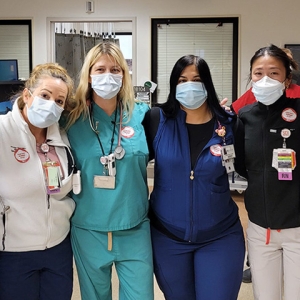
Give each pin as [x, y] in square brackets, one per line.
[246, 99]
[80, 125]
[247, 96]
[293, 101]
[153, 112]
[227, 117]
[293, 91]
[152, 116]
[141, 108]
[138, 113]
[246, 109]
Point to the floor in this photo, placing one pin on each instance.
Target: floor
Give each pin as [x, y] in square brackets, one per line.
[246, 288]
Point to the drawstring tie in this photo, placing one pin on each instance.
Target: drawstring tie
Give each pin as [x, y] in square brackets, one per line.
[109, 241]
[268, 237]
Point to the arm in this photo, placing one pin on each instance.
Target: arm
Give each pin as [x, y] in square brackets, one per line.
[239, 145]
[150, 123]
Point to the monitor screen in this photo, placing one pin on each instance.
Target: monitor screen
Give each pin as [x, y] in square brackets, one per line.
[9, 70]
[5, 107]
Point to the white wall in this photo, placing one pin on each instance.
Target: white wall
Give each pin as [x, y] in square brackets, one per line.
[261, 22]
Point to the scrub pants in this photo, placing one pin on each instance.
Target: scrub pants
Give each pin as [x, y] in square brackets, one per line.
[131, 253]
[275, 267]
[37, 275]
[199, 271]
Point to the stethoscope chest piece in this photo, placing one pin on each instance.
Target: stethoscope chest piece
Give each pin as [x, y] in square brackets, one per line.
[119, 152]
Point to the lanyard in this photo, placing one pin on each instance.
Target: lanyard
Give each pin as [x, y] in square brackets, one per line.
[120, 126]
[94, 128]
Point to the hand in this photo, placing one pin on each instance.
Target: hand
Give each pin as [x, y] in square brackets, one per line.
[223, 104]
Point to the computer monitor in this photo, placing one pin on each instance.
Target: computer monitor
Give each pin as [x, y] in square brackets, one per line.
[5, 107]
[9, 70]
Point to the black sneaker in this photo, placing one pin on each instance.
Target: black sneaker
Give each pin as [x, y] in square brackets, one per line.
[247, 277]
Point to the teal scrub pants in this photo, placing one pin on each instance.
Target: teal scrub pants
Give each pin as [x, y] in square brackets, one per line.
[131, 252]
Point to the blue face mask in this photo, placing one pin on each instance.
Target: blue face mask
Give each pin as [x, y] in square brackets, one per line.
[191, 94]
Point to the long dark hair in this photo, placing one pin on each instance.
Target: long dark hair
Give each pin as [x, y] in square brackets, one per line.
[171, 107]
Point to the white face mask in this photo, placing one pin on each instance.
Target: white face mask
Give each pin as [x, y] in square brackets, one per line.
[106, 85]
[267, 90]
[43, 113]
[191, 94]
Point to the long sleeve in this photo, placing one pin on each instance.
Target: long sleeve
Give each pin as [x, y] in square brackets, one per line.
[150, 123]
[239, 136]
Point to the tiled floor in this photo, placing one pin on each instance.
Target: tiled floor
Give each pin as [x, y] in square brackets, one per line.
[246, 288]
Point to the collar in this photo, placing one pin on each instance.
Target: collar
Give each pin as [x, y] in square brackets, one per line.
[275, 106]
[182, 117]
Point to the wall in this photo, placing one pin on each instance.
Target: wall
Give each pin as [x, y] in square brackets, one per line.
[261, 22]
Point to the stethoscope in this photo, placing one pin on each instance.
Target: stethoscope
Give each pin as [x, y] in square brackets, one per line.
[119, 151]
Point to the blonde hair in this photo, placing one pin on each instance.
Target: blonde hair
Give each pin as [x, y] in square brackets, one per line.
[84, 90]
[42, 71]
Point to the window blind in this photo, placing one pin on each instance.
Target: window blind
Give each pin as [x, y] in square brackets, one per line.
[211, 41]
[15, 45]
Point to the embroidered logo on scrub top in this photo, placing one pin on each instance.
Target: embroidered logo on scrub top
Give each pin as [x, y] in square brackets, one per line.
[215, 150]
[20, 154]
[127, 132]
[289, 115]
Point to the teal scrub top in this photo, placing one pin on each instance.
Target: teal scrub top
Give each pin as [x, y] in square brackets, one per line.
[126, 205]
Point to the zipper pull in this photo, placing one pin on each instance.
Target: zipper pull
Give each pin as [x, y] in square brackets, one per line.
[192, 175]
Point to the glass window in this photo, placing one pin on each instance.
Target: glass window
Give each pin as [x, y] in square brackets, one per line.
[215, 40]
[15, 41]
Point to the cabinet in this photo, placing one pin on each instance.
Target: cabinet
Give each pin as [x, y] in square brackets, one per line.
[9, 89]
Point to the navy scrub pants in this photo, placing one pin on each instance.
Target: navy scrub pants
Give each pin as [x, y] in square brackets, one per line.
[199, 271]
[37, 275]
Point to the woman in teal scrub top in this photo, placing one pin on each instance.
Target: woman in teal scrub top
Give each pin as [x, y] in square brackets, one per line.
[110, 224]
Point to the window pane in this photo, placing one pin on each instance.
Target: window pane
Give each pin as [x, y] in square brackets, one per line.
[14, 40]
[212, 41]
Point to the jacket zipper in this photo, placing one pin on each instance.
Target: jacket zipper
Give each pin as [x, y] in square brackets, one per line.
[264, 155]
[48, 218]
[192, 177]
[191, 208]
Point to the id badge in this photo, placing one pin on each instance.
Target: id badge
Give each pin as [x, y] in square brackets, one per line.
[52, 176]
[229, 165]
[228, 155]
[228, 152]
[104, 182]
[284, 161]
